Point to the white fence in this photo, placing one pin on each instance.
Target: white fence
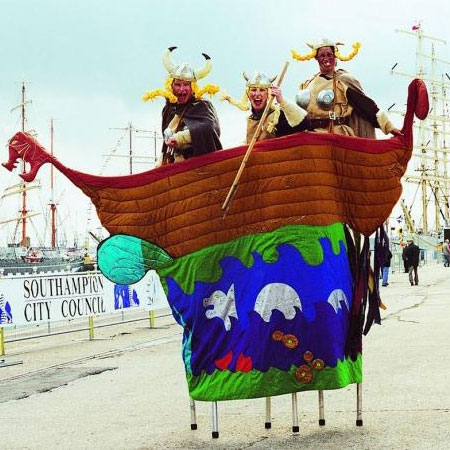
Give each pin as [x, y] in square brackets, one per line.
[30, 300]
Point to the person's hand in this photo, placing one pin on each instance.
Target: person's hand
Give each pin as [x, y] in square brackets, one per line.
[396, 132]
[171, 142]
[276, 92]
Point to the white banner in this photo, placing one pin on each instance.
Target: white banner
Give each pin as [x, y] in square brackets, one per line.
[29, 299]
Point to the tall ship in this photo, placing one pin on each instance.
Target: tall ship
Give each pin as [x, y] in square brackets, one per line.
[31, 248]
[425, 203]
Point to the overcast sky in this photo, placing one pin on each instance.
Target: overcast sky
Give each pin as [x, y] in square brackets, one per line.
[87, 64]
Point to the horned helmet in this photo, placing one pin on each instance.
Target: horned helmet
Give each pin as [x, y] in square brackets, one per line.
[258, 79]
[184, 72]
[324, 42]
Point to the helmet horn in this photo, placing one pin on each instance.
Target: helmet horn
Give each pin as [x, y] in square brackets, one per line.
[167, 60]
[245, 76]
[203, 71]
[272, 79]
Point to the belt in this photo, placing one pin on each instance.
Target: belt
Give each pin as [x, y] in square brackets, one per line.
[323, 123]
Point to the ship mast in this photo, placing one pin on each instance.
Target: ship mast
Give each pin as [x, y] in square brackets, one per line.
[130, 130]
[445, 113]
[52, 190]
[434, 94]
[24, 187]
[435, 180]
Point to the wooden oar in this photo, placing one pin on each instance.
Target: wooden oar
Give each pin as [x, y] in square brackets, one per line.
[234, 186]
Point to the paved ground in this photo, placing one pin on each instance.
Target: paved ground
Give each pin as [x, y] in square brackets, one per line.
[127, 390]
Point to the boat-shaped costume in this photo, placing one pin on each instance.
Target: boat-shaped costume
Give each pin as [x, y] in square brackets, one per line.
[273, 297]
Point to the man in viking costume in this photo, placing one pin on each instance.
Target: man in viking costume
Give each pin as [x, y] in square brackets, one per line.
[335, 100]
[190, 125]
[283, 118]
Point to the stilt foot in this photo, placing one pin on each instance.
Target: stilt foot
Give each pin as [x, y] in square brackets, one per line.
[295, 429]
[215, 435]
[193, 426]
[359, 422]
[322, 422]
[268, 425]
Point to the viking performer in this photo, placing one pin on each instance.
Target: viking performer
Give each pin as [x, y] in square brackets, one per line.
[190, 125]
[335, 100]
[283, 118]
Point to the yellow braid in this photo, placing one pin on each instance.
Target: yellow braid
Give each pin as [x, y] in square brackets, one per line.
[210, 89]
[159, 93]
[299, 57]
[243, 104]
[356, 48]
[167, 92]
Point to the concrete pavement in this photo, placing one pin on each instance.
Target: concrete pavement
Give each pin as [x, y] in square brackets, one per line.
[128, 390]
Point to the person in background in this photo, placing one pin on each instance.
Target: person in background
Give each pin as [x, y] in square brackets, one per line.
[386, 267]
[405, 262]
[412, 255]
[446, 253]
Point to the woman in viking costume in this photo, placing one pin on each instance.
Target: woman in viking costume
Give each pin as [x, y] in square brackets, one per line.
[283, 119]
[335, 100]
[190, 125]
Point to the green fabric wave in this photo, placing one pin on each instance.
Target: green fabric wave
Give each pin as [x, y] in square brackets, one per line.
[226, 385]
[205, 262]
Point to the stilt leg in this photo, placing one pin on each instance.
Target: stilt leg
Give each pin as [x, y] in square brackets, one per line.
[321, 409]
[295, 428]
[359, 420]
[193, 414]
[268, 423]
[215, 418]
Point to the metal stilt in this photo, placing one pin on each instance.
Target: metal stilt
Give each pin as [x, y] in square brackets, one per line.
[193, 414]
[359, 420]
[268, 423]
[321, 409]
[295, 427]
[215, 418]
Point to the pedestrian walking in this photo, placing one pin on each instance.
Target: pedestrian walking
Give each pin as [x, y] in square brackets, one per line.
[385, 267]
[412, 254]
[446, 253]
[405, 262]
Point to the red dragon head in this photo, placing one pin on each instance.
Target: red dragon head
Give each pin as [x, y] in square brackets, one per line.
[23, 145]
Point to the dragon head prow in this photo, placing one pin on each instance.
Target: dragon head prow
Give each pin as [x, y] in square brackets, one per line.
[23, 145]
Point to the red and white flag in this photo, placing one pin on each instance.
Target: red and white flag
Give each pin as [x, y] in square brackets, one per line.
[415, 27]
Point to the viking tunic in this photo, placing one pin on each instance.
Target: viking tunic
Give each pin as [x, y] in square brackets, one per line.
[288, 122]
[196, 133]
[356, 114]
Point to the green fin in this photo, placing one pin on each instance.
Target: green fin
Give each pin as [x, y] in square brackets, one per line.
[126, 259]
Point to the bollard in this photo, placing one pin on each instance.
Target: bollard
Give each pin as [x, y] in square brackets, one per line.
[91, 328]
[152, 319]
[2, 341]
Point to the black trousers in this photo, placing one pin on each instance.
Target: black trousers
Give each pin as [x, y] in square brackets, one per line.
[416, 276]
